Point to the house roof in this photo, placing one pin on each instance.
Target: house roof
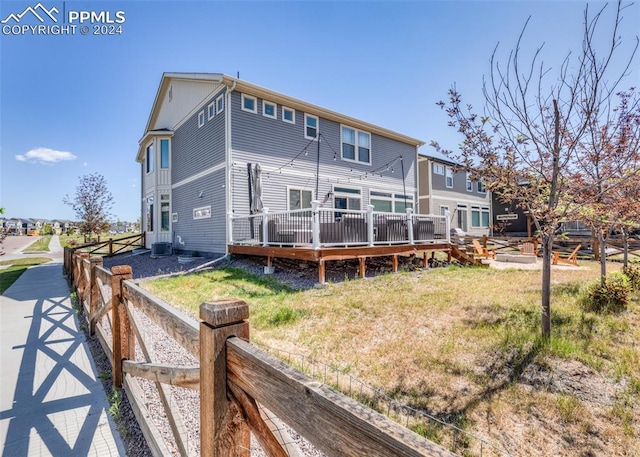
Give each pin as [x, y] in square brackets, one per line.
[438, 159]
[257, 91]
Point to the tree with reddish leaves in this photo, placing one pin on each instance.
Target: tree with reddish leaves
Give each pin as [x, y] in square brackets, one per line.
[92, 203]
[606, 179]
[526, 145]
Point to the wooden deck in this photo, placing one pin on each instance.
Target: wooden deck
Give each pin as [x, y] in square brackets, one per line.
[323, 255]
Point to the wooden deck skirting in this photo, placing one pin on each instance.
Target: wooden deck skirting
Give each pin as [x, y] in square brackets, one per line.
[323, 255]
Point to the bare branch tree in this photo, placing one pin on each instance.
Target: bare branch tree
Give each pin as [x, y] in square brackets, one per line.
[526, 146]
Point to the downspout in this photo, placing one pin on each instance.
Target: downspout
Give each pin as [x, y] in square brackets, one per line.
[227, 136]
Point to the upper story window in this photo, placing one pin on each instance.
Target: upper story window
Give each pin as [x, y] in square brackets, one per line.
[249, 103]
[211, 110]
[438, 168]
[356, 145]
[469, 184]
[269, 109]
[200, 119]
[481, 188]
[449, 177]
[288, 115]
[220, 104]
[164, 153]
[310, 127]
[149, 158]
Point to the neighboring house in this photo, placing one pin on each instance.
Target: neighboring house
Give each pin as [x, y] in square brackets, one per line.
[207, 132]
[442, 188]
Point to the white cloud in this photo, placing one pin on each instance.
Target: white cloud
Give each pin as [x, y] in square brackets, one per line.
[45, 155]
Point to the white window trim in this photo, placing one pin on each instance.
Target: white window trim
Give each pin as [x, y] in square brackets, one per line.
[484, 189]
[448, 170]
[211, 110]
[200, 118]
[306, 189]
[437, 167]
[264, 109]
[174, 217]
[469, 183]
[293, 119]
[148, 170]
[167, 201]
[387, 198]
[218, 104]
[356, 132]
[306, 116]
[347, 195]
[202, 212]
[160, 140]
[255, 103]
[480, 211]
[446, 208]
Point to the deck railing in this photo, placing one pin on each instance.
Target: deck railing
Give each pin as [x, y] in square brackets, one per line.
[331, 227]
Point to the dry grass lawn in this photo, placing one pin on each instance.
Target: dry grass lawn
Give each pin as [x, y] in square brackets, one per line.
[462, 344]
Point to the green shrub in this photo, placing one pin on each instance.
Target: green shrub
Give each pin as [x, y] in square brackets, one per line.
[632, 271]
[613, 296]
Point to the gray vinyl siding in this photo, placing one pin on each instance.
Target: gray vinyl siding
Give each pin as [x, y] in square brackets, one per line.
[208, 236]
[193, 148]
[274, 144]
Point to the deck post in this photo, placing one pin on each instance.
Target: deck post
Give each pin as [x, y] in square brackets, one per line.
[370, 234]
[410, 224]
[447, 225]
[315, 224]
[222, 430]
[230, 227]
[265, 228]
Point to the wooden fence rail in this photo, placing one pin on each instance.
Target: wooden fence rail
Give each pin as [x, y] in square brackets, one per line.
[242, 389]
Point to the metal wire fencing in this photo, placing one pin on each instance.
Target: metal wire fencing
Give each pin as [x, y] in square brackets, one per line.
[448, 435]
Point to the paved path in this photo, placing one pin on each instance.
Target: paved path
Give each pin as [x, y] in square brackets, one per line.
[51, 402]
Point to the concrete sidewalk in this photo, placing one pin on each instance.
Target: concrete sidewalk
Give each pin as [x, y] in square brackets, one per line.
[51, 402]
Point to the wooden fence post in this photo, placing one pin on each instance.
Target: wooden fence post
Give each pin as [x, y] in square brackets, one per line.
[222, 431]
[121, 330]
[94, 292]
[81, 281]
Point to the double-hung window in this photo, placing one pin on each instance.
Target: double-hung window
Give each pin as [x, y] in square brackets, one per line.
[310, 126]
[469, 183]
[438, 169]
[211, 110]
[356, 145]
[449, 177]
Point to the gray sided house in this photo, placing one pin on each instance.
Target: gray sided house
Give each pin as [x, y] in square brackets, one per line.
[216, 147]
[443, 188]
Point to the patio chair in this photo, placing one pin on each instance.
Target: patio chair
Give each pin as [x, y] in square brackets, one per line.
[528, 248]
[571, 260]
[482, 252]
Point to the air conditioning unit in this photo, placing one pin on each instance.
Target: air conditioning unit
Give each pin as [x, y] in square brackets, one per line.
[161, 248]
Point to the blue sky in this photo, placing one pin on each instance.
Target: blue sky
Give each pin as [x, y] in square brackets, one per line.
[77, 104]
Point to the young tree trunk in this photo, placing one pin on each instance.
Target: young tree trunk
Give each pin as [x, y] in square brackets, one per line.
[603, 257]
[625, 247]
[547, 243]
